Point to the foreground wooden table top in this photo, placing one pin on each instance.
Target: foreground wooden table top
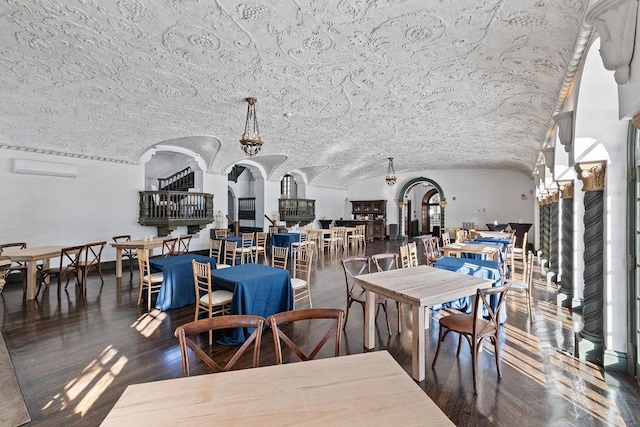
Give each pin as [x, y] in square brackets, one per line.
[361, 389]
[419, 287]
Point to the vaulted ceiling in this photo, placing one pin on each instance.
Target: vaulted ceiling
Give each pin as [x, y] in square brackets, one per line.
[341, 84]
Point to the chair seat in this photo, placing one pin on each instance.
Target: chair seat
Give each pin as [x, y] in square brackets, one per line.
[297, 283]
[516, 284]
[153, 277]
[257, 248]
[464, 323]
[221, 266]
[218, 297]
[358, 294]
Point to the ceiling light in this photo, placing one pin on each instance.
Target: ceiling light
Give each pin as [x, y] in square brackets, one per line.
[391, 173]
[251, 140]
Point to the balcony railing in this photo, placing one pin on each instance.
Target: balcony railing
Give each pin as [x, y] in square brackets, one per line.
[167, 210]
[297, 211]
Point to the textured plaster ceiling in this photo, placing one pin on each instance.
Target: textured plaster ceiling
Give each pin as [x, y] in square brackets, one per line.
[341, 84]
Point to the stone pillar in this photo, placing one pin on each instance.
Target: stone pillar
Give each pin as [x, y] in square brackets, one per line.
[565, 291]
[554, 223]
[400, 206]
[590, 339]
[544, 231]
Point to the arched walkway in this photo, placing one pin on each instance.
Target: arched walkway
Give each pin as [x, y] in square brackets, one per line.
[401, 200]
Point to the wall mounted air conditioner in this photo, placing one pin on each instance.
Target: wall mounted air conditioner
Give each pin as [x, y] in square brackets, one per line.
[36, 167]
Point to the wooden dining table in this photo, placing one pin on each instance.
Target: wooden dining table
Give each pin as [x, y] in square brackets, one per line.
[420, 287]
[31, 256]
[133, 245]
[361, 389]
[491, 252]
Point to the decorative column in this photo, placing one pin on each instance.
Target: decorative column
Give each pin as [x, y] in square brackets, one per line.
[590, 340]
[553, 236]
[544, 230]
[565, 292]
[400, 205]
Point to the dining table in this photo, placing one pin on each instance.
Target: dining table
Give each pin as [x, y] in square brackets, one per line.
[494, 234]
[257, 289]
[177, 289]
[474, 267]
[284, 239]
[491, 252]
[133, 245]
[419, 287]
[31, 256]
[357, 390]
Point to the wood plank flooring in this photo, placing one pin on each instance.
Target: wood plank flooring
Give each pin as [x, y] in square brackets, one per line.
[75, 356]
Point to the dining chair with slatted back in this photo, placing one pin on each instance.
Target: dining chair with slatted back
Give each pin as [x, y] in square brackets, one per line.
[279, 257]
[475, 328]
[520, 253]
[259, 247]
[431, 250]
[244, 251]
[221, 233]
[208, 301]
[446, 239]
[15, 266]
[358, 238]
[413, 254]
[182, 247]
[523, 283]
[354, 266]
[332, 241]
[284, 322]
[386, 262]
[215, 246]
[92, 259]
[302, 258]
[404, 256]
[186, 331]
[229, 253]
[150, 282]
[70, 258]
[129, 254]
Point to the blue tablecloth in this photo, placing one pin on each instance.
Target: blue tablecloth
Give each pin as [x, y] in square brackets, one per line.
[284, 239]
[473, 267]
[178, 289]
[238, 241]
[257, 289]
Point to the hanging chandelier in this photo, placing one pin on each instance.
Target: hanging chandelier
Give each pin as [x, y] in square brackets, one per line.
[391, 173]
[251, 140]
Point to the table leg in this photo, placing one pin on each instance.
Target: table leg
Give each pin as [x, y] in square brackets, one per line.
[370, 320]
[31, 279]
[418, 357]
[118, 262]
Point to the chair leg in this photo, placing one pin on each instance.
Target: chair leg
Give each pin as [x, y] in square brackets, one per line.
[529, 306]
[386, 315]
[459, 345]
[399, 307]
[140, 293]
[474, 362]
[149, 298]
[494, 340]
[346, 317]
[440, 339]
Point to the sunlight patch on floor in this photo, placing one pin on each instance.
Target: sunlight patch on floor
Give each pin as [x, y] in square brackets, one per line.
[148, 323]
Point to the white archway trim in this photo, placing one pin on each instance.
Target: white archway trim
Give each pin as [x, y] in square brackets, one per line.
[153, 150]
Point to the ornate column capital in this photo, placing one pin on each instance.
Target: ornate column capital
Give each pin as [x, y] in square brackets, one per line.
[566, 188]
[636, 120]
[554, 197]
[400, 204]
[592, 175]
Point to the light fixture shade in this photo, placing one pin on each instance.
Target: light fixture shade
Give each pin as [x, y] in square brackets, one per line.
[251, 140]
[391, 173]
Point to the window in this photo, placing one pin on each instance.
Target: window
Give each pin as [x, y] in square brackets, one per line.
[285, 185]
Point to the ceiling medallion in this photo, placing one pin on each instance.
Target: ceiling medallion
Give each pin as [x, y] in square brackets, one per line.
[391, 173]
[251, 140]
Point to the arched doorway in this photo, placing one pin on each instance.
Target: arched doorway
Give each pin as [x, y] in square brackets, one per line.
[431, 211]
[405, 209]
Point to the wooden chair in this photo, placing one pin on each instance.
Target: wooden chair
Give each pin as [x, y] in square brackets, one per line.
[386, 262]
[215, 246]
[331, 242]
[274, 230]
[92, 259]
[301, 243]
[221, 233]
[354, 266]
[244, 251]
[16, 266]
[152, 282]
[475, 328]
[524, 283]
[279, 257]
[129, 254]
[446, 239]
[168, 248]
[520, 253]
[259, 247]
[184, 332]
[358, 238]
[413, 254]
[431, 250]
[301, 278]
[229, 253]
[207, 300]
[290, 317]
[314, 239]
[182, 247]
[70, 258]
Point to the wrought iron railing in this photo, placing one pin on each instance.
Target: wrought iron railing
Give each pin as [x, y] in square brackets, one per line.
[170, 209]
[297, 211]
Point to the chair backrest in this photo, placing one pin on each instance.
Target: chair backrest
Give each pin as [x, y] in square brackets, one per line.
[12, 246]
[524, 244]
[202, 279]
[70, 257]
[446, 239]
[230, 252]
[483, 297]
[279, 257]
[169, 247]
[93, 253]
[122, 238]
[221, 233]
[385, 262]
[273, 230]
[413, 254]
[215, 246]
[261, 239]
[143, 263]
[289, 317]
[303, 236]
[354, 266]
[184, 332]
[247, 240]
[183, 244]
[431, 249]
[404, 256]
[302, 260]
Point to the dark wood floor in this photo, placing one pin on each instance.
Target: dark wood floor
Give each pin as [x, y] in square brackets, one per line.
[74, 357]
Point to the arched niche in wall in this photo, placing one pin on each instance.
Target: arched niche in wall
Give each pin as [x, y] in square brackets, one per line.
[163, 161]
[403, 209]
[245, 194]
